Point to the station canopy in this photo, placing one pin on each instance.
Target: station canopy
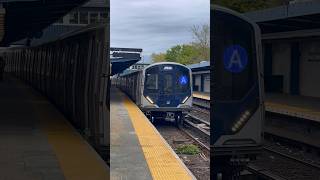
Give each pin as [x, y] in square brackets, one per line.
[295, 19]
[21, 19]
[122, 58]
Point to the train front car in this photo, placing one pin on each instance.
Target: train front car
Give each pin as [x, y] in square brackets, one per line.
[236, 90]
[167, 91]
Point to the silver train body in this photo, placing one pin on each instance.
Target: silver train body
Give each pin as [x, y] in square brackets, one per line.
[161, 90]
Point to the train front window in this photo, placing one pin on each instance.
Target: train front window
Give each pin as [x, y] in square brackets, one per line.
[168, 86]
[151, 81]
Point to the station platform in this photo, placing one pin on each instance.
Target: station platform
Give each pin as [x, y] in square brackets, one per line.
[137, 149]
[38, 143]
[296, 106]
[201, 95]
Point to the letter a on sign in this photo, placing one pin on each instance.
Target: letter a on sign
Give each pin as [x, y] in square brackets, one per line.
[235, 59]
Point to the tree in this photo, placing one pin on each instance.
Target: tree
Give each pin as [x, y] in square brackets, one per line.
[158, 57]
[183, 54]
[191, 53]
[201, 35]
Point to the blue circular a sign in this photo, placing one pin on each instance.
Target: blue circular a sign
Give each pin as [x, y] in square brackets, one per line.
[235, 58]
[183, 80]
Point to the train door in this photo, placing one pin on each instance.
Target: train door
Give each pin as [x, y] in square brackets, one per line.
[166, 79]
[236, 92]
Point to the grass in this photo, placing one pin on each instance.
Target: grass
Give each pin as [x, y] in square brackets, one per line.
[189, 149]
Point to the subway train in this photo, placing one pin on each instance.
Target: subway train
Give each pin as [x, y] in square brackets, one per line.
[71, 73]
[237, 110]
[161, 90]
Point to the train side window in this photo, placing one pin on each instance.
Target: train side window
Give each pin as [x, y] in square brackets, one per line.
[152, 81]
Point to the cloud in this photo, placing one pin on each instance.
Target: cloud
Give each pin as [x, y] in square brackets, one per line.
[155, 25]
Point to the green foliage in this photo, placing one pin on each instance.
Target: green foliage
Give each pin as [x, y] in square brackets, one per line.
[191, 53]
[183, 54]
[158, 57]
[189, 149]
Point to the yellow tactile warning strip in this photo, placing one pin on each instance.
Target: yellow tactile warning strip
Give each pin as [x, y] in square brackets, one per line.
[163, 164]
[77, 159]
[293, 110]
[201, 96]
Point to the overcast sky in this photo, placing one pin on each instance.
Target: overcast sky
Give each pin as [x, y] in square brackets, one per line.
[155, 25]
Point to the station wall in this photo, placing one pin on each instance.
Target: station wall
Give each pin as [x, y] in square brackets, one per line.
[310, 68]
[281, 61]
[197, 82]
[206, 85]
[198, 79]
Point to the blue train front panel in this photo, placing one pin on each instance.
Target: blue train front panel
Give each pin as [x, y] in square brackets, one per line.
[167, 85]
[235, 88]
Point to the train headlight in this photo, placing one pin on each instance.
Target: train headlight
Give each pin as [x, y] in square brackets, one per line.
[238, 124]
[149, 99]
[185, 99]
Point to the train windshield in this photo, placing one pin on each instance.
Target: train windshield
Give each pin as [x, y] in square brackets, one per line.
[167, 79]
[168, 83]
[151, 81]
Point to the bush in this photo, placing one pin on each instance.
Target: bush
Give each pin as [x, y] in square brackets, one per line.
[189, 149]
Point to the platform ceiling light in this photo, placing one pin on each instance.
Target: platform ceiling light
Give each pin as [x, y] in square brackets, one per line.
[185, 99]
[243, 118]
[149, 99]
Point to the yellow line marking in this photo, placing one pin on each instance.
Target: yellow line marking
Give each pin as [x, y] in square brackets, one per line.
[201, 96]
[161, 161]
[77, 158]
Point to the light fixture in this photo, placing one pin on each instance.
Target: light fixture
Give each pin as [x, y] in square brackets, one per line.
[149, 99]
[185, 99]
[243, 118]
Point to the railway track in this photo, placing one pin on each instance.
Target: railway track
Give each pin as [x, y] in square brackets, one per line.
[202, 103]
[263, 173]
[275, 165]
[197, 126]
[198, 164]
[198, 121]
[306, 163]
[202, 145]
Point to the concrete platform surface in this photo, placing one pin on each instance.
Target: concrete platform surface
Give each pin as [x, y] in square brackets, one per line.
[297, 106]
[37, 142]
[137, 150]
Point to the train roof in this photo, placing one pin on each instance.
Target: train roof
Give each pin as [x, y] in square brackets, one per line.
[131, 71]
[160, 63]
